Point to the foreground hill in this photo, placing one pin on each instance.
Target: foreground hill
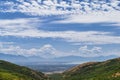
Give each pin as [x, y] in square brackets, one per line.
[107, 70]
[9, 71]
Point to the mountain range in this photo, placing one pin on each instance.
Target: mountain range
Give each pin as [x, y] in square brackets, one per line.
[19, 59]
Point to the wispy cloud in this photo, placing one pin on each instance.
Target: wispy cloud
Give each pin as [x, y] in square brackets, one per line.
[27, 28]
[97, 17]
[22, 23]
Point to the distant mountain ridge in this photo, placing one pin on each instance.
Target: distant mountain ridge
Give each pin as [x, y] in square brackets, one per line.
[73, 58]
[12, 58]
[38, 59]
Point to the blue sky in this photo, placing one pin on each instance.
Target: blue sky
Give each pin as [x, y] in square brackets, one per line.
[87, 35]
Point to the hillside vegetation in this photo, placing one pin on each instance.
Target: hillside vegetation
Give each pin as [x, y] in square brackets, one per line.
[9, 71]
[107, 70]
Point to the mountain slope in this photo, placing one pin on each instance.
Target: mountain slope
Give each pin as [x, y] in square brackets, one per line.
[9, 71]
[107, 70]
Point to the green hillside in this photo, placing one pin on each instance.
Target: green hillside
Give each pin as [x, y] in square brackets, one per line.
[9, 71]
[107, 70]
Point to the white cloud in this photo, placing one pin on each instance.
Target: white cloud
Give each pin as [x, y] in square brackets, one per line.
[22, 23]
[94, 14]
[90, 52]
[115, 24]
[97, 17]
[5, 43]
[51, 7]
[48, 51]
[90, 37]
[17, 50]
[28, 28]
[33, 8]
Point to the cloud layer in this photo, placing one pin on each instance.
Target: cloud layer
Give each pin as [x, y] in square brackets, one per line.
[51, 7]
[27, 28]
[98, 17]
[82, 12]
[48, 51]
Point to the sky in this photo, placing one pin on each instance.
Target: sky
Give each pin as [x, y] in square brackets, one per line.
[49, 33]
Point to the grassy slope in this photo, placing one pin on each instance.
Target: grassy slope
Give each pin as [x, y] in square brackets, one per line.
[55, 76]
[9, 71]
[108, 70]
